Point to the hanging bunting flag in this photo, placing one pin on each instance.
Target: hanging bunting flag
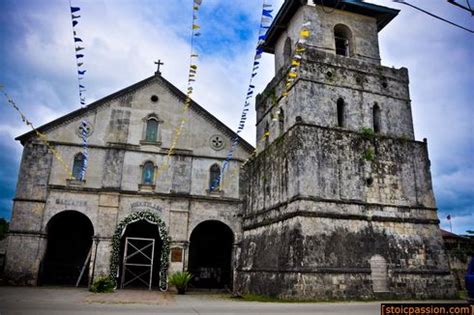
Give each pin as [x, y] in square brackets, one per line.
[82, 89]
[187, 103]
[266, 18]
[291, 77]
[41, 136]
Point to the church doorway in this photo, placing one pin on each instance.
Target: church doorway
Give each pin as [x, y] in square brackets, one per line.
[140, 252]
[210, 255]
[68, 248]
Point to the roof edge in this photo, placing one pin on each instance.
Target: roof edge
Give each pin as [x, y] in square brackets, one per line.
[182, 96]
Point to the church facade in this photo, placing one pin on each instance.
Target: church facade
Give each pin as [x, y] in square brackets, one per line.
[337, 202]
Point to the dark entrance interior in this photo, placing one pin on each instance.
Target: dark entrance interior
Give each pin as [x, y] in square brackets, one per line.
[141, 229]
[210, 255]
[69, 241]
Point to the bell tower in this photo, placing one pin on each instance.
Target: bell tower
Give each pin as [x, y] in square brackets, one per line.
[338, 200]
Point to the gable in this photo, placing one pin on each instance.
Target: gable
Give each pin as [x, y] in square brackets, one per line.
[120, 118]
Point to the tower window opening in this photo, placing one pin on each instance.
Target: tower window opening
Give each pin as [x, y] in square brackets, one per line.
[342, 40]
[340, 112]
[376, 118]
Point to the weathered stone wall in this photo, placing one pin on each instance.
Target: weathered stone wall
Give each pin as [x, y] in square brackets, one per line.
[324, 78]
[313, 221]
[26, 243]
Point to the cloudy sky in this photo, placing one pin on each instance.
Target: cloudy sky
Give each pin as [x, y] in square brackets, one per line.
[124, 37]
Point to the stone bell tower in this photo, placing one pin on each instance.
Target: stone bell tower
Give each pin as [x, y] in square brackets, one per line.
[338, 202]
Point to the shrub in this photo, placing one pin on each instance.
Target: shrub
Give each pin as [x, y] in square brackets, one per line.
[369, 154]
[180, 280]
[103, 284]
[367, 133]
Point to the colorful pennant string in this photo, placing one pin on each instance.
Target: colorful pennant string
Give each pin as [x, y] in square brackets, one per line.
[82, 98]
[292, 75]
[265, 22]
[41, 136]
[192, 72]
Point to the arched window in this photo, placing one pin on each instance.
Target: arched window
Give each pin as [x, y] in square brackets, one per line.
[151, 130]
[77, 166]
[343, 40]
[148, 176]
[376, 118]
[281, 121]
[214, 177]
[340, 112]
[287, 49]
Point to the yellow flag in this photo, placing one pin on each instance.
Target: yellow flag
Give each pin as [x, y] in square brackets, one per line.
[304, 33]
[300, 49]
[284, 94]
[292, 74]
[194, 67]
[196, 27]
[295, 63]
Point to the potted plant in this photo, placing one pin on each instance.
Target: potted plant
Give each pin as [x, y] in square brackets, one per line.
[180, 281]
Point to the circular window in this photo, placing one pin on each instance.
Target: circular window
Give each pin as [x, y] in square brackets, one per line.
[217, 142]
[84, 129]
[154, 98]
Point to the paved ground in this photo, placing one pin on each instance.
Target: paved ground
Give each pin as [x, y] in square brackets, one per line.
[52, 301]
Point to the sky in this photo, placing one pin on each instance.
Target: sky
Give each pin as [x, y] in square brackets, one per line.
[123, 38]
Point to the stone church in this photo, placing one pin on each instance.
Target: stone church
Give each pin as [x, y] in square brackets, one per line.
[337, 202]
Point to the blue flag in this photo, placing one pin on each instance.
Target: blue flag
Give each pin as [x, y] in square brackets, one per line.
[74, 23]
[81, 72]
[75, 9]
[77, 39]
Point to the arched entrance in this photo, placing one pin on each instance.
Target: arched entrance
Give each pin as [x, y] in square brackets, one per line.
[140, 239]
[69, 242]
[210, 255]
[140, 252]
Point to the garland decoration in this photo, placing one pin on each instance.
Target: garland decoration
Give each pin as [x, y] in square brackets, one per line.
[41, 136]
[163, 232]
[265, 22]
[190, 87]
[80, 76]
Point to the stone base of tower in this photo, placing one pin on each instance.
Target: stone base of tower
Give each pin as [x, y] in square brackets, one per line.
[346, 286]
[306, 258]
[323, 220]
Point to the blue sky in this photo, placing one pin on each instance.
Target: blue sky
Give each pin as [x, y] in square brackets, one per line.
[124, 37]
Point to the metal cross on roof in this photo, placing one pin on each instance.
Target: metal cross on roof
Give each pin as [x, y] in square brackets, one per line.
[158, 63]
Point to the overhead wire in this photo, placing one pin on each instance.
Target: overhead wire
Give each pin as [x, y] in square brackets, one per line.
[433, 15]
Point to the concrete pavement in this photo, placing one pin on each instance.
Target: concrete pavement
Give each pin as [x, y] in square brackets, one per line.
[52, 301]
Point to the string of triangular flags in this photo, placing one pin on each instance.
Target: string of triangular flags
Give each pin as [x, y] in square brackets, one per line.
[291, 77]
[192, 73]
[265, 22]
[82, 89]
[41, 136]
